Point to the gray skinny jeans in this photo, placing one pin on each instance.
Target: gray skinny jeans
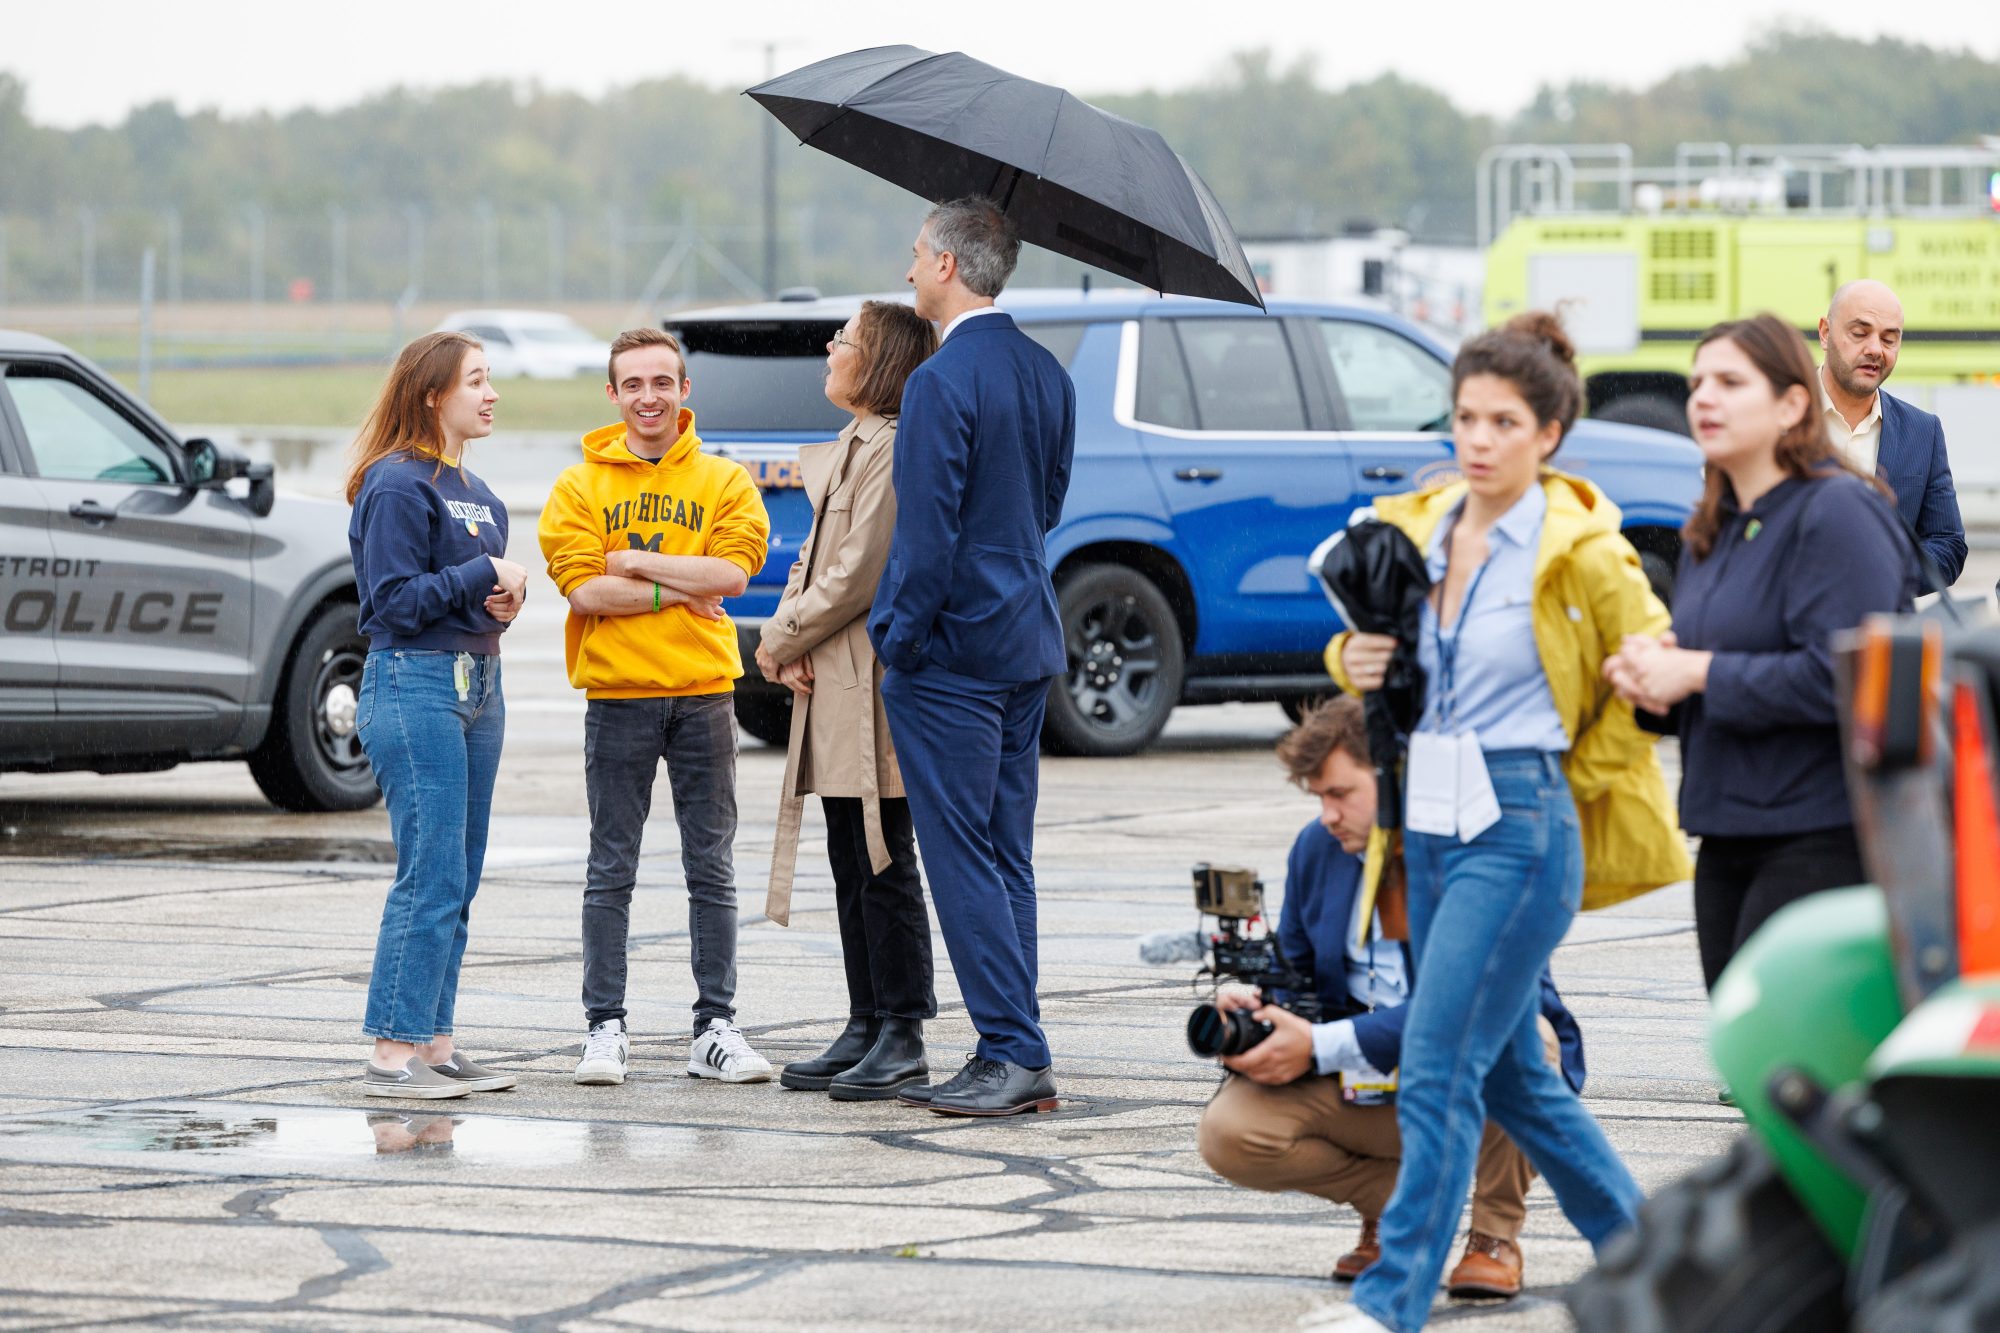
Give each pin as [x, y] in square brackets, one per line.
[624, 741]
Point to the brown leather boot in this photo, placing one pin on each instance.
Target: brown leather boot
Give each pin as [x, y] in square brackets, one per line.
[1491, 1267]
[1365, 1252]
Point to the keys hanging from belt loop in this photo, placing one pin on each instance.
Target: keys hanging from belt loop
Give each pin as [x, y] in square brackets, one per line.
[461, 676]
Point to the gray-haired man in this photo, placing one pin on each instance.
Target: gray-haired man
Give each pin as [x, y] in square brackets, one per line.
[965, 624]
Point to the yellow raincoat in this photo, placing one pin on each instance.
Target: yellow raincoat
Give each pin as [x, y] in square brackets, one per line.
[1589, 593]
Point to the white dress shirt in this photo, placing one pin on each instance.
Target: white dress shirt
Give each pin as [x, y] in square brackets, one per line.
[1861, 444]
[964, 315]
[1375, 977]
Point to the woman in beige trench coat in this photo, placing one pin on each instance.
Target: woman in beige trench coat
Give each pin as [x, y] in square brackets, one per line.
[816, 643]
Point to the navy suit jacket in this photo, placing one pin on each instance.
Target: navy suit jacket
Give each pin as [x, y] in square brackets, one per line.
[1320, 883]
[1912, 460]
[982, 464]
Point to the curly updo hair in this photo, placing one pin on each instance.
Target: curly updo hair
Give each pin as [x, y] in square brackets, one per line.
[1533, 353]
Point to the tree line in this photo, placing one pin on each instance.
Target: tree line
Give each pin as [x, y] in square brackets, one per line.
[499, 189]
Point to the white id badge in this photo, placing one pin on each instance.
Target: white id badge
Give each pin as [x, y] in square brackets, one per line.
[1431, 805]
[1477, 808]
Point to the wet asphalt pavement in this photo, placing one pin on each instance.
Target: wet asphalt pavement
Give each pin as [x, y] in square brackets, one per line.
[182, 1140]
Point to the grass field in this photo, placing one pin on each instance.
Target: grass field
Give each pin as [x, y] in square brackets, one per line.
[341, 395]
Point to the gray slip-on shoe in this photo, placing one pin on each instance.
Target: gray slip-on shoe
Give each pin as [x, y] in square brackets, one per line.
[414, 1079]
[476, 1077]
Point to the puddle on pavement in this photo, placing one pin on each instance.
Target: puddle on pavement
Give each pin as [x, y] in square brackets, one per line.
[241, 1137]
[67, 845]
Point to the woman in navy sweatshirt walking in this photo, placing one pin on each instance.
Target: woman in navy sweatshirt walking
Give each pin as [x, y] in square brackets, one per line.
[428, 539]
[1787, 547]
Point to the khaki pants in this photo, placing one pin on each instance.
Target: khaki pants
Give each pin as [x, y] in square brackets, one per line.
[1304, 1137]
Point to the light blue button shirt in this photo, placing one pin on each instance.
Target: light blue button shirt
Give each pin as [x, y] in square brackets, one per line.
[1377, 978]
[1500, 689]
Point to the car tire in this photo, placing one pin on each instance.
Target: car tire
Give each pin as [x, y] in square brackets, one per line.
[311, 759]
[1725, 1249]
[1956, 1293]
[1646, 409]
[1295, 707]
[1126, 664]
[766, 715]
[1660, 574]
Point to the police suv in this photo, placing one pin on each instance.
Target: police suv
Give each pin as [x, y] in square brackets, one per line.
[159, 603]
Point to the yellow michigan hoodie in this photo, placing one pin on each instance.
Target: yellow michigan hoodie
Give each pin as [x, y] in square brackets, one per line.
[688, 503]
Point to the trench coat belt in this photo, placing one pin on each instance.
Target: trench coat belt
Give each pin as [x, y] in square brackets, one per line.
[791, 804]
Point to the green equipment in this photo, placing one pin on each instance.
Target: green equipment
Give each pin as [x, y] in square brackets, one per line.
[1640, 260]
[1860, 1032]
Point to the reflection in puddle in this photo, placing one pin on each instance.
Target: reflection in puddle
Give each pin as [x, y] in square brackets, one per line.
[245, 1137]
[99, 847]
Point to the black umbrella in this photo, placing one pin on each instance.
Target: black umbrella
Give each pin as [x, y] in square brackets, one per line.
[1074, 179]
[1377, 580]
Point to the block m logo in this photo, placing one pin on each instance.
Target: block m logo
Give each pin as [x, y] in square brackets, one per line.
[651, 544]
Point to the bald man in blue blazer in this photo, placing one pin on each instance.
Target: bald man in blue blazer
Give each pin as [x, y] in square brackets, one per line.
[966, 625]
[1903, 445]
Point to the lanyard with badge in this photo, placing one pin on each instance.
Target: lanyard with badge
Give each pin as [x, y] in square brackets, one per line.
[1372, 1088]
[1450, 791]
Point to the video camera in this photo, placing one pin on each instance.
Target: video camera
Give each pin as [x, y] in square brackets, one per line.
[1234, 896]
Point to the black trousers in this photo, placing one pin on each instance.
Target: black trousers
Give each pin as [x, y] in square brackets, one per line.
[885, 929]
[1740, 882]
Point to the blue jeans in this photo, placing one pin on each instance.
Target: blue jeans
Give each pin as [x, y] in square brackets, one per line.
[435, 757]
[1484, 918]
[624, 741]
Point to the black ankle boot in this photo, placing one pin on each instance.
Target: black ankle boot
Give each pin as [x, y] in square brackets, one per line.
[897, 1062]
[847, 1051]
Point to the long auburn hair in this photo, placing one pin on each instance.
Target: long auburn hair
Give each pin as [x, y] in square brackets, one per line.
[1779, 352]
[402, 420]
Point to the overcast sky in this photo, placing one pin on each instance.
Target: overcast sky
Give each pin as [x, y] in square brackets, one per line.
[92, 60]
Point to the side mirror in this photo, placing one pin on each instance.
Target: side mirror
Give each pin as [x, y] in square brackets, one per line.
[263, 490]
[204, 463]
[212, 468]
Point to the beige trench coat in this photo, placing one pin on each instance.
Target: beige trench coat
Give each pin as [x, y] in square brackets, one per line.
[840, 742]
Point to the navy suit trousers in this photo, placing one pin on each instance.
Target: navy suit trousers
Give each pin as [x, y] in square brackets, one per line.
[969, 751]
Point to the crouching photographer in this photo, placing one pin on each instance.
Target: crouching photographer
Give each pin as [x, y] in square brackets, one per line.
[1311, 1106]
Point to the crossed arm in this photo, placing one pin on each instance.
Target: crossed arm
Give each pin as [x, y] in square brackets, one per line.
[626, 587]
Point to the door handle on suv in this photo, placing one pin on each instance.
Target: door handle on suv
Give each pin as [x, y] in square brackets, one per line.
[1382, 473]
[1199, 474]
[92, 512]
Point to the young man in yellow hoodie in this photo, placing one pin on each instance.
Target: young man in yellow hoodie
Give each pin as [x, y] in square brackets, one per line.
[645, 538]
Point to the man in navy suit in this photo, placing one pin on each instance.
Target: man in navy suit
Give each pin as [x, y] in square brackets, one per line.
[1861, 335]
[965, 623]
[1307, 1108]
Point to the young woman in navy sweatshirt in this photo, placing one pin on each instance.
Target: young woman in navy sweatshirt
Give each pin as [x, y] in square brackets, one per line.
[1787, 547]
[436, 593]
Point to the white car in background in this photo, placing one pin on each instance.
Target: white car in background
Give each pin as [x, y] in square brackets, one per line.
[537, 344]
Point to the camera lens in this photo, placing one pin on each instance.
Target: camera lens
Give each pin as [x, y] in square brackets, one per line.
[1211, 1032]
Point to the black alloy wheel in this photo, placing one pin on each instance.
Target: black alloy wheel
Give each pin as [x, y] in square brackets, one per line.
[1126, 664]
[766, 715]
[311, 758]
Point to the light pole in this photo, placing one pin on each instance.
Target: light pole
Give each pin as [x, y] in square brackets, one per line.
[771, 173]
[557, 245]
[254, 214]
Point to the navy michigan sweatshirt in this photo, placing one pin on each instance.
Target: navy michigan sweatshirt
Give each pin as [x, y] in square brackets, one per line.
[423, 539]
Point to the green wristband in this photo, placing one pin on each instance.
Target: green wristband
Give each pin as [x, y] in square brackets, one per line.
[656, 596]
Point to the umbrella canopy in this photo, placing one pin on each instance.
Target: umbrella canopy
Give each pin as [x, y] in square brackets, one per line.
[1076, 180]
[1377, 580]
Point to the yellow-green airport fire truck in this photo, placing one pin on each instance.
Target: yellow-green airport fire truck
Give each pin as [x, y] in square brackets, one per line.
[1638, 261]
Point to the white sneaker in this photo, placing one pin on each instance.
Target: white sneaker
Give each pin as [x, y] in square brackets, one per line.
[604, 1053]
[722, 1053]
[1342, 1318]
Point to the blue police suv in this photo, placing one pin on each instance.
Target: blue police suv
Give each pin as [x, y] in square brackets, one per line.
[1216, 446]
